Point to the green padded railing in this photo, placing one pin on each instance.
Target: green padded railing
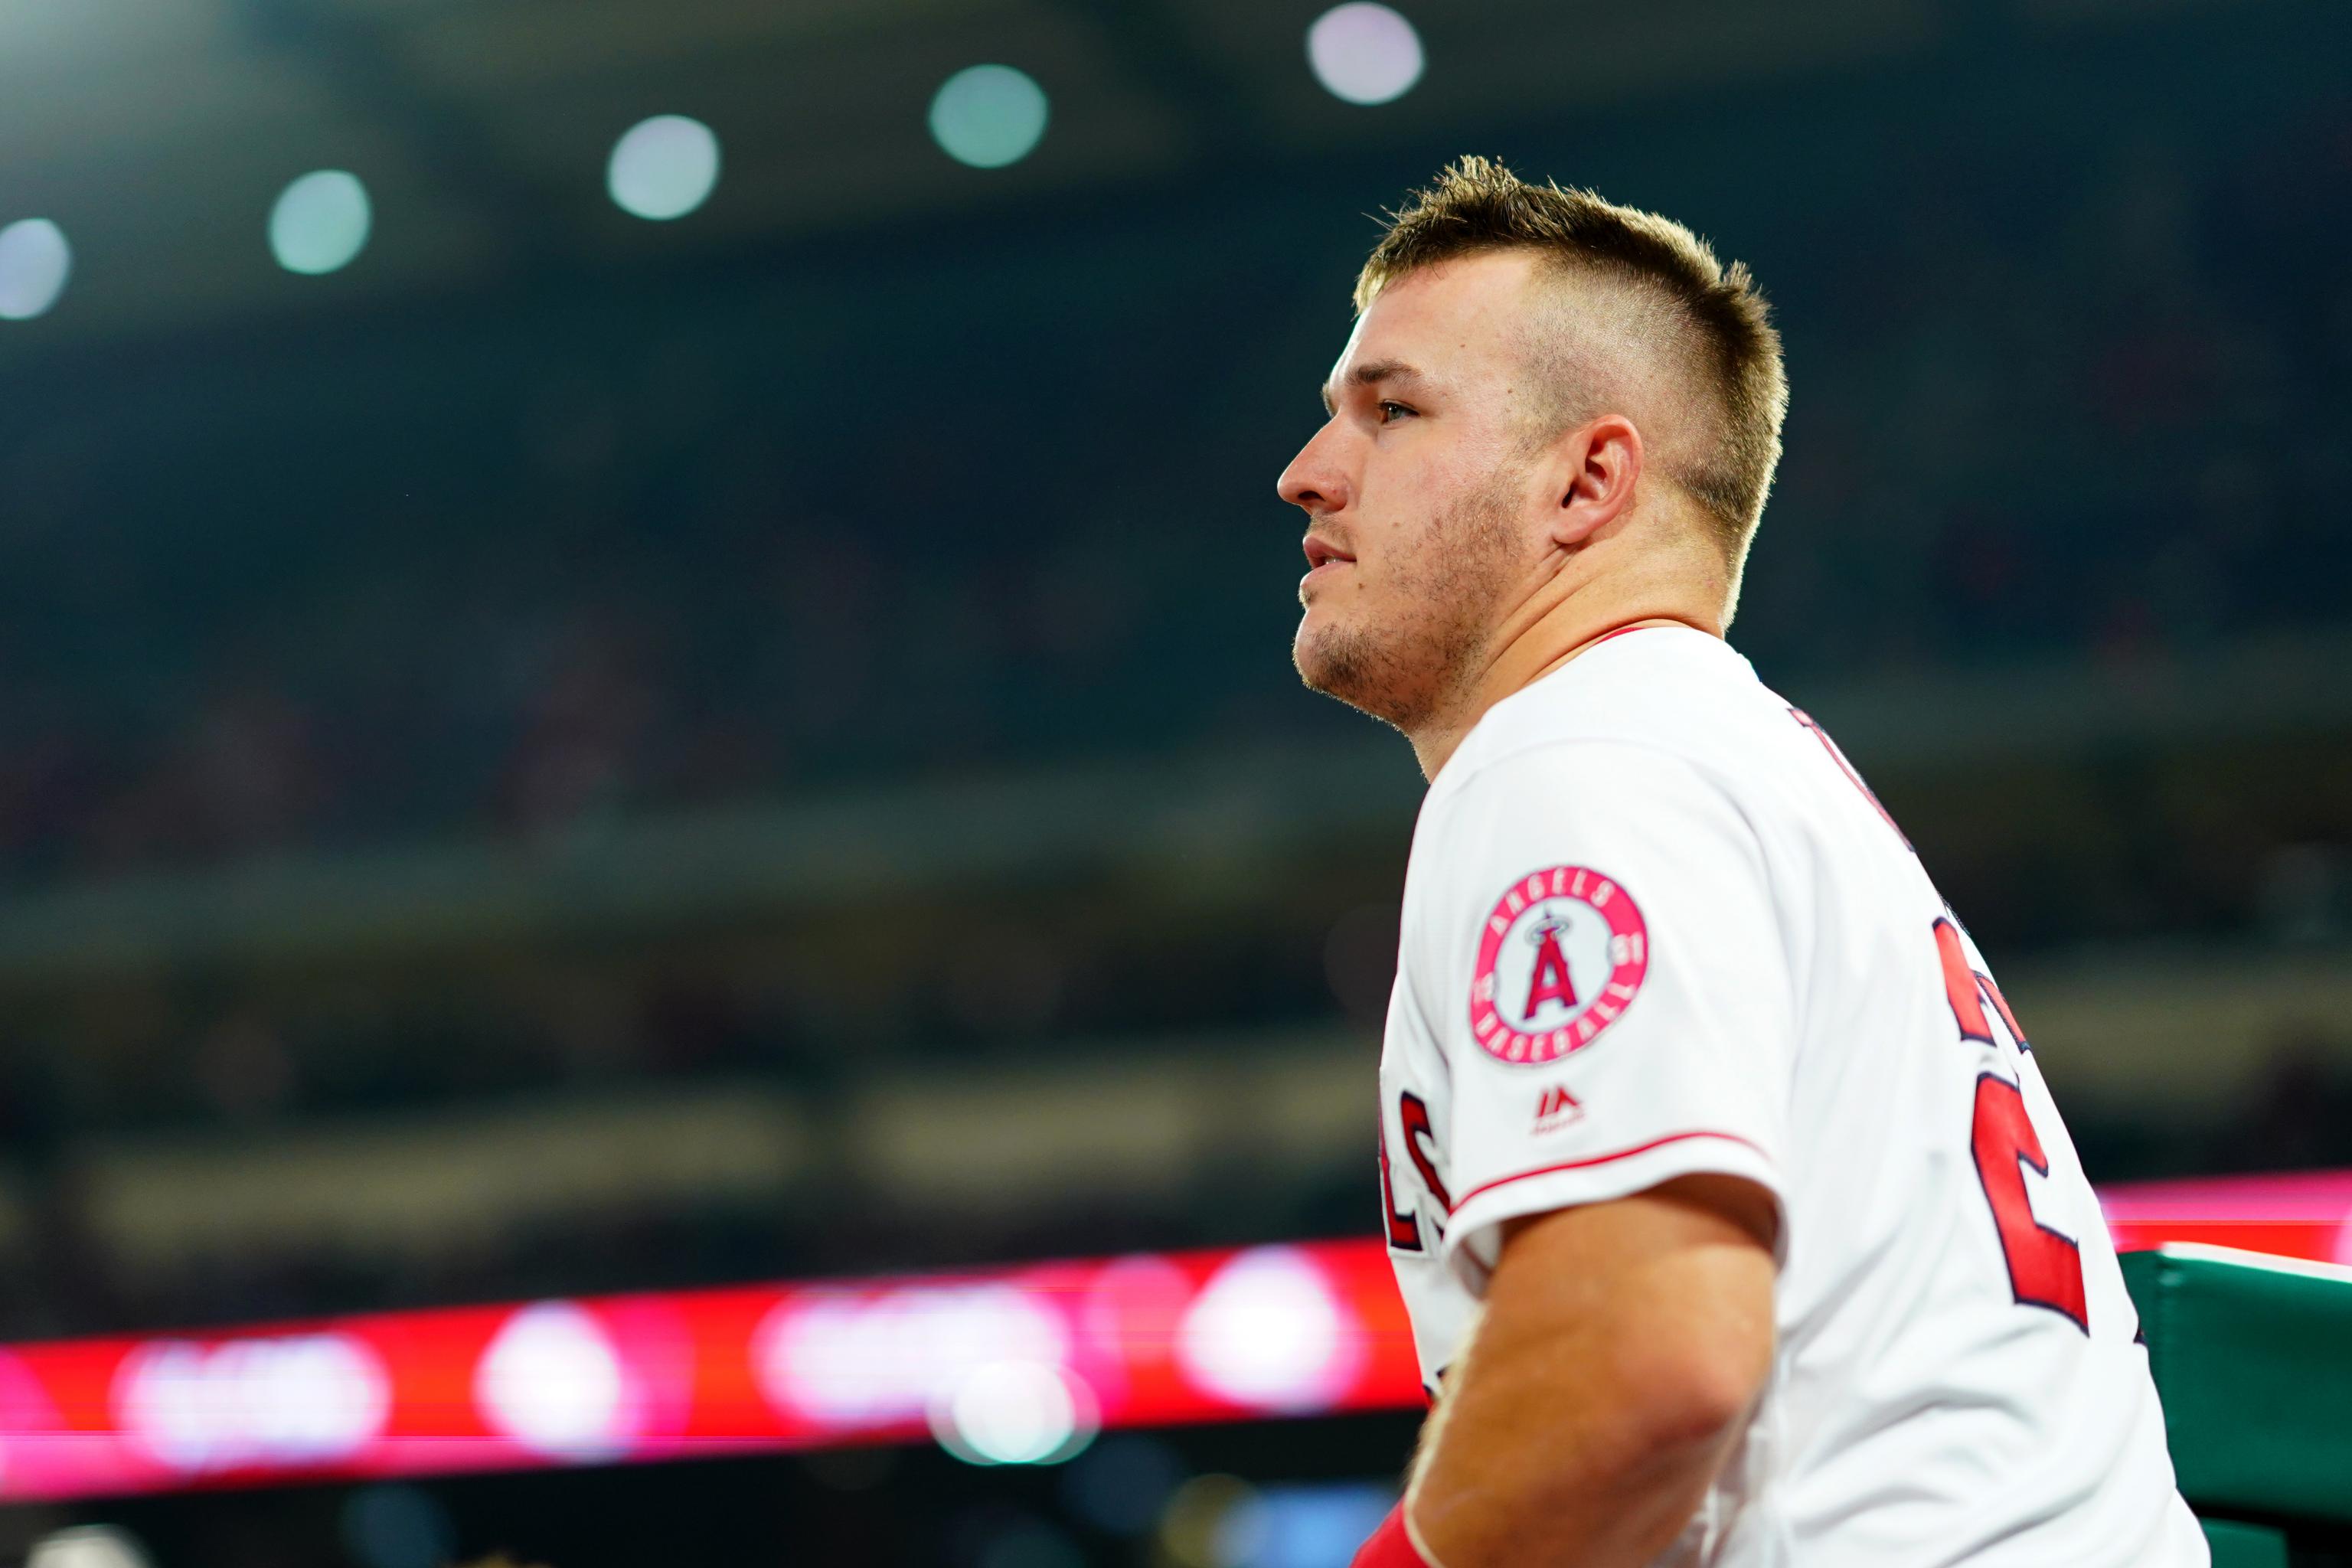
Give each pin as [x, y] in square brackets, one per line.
[2239, 1545]
[2252, 1357]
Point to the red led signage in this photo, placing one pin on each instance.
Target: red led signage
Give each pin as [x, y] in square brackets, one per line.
[1006, 1365]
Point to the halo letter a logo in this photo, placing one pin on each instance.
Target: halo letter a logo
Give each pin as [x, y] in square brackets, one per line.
[1551, 982]
[1560, 957]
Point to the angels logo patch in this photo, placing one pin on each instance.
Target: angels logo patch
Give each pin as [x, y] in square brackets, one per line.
[1559, 958]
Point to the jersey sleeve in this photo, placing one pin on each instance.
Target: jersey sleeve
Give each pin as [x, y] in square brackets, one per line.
[1608, 984]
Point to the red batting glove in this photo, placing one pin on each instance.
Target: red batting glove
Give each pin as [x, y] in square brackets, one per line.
[1391, 1546]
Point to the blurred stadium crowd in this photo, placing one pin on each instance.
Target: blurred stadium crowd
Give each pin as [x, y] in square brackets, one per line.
[616, 555]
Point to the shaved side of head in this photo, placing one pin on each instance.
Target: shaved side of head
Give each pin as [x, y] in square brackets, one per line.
[1631, 314]
[1597, 342]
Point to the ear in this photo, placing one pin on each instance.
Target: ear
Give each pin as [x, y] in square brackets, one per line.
[1598, 464]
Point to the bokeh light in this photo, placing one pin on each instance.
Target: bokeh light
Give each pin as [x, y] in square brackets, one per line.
[1364, 53]
[294, 1399]
[35, 260]
[1301, 1525]
[850, 1361]
[553, 1382]
[1194, 1530]
[89, 1546]
[663, 168]
[321, 221]
[1017, 1413]
[989, 116]
[1267, 1331]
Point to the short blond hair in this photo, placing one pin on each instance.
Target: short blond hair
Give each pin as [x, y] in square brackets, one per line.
[1477, 206]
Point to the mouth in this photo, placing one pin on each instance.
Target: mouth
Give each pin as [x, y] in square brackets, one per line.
[1322, 552]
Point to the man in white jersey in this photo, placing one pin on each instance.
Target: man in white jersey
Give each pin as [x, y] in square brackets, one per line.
[1735, 1221]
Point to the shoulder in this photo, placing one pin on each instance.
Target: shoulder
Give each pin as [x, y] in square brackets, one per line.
[1646, 721]
[1629, 812]
[1659, 765]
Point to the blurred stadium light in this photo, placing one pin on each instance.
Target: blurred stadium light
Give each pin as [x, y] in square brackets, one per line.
[480, 122]
[663, 168]
[1365, 52]
[553, 1382]
[89, 1546]
[321, 221]
[1015, 1412]
[1301, 1525]
[34, 261]
[989, 116]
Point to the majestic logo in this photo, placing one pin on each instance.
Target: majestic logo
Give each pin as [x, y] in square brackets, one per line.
[1556, 1109]
[1559, 958]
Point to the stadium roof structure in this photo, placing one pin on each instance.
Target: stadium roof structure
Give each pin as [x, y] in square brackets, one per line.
[158, 132]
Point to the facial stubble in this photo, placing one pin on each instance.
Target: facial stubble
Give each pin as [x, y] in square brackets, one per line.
[1409, 658]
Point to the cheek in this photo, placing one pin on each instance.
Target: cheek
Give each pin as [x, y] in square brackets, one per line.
[1406, 491]
[1393, 517]
[1408, 536]
[1411, 492]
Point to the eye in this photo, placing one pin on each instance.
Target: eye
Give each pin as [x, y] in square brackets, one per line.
[1391, 413]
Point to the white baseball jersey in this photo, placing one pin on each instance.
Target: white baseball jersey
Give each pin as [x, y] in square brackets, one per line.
[1654, 925]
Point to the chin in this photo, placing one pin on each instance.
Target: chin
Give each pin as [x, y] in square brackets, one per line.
[1375, 678]
[1330, 661]
[1311, 654]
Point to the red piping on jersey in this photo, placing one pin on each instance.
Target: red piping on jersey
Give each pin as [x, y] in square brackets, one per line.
[1600, 1160]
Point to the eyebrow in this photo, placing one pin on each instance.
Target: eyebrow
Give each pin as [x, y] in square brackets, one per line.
[1372, 373]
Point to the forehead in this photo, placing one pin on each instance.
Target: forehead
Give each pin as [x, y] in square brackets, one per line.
[1455, 317]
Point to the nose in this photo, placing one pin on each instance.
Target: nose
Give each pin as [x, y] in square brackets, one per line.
[1314, 481]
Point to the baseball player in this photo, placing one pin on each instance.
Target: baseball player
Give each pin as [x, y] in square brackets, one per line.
[1736, 1223]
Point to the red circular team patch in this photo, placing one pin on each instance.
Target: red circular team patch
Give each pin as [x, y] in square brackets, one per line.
[1561, 955]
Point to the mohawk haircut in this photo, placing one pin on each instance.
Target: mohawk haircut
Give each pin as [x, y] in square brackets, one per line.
[1711, 320]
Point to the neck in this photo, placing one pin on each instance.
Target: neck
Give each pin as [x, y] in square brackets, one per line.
[1553, 636]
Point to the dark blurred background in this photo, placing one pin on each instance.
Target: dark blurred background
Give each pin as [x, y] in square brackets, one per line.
[573, 753]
